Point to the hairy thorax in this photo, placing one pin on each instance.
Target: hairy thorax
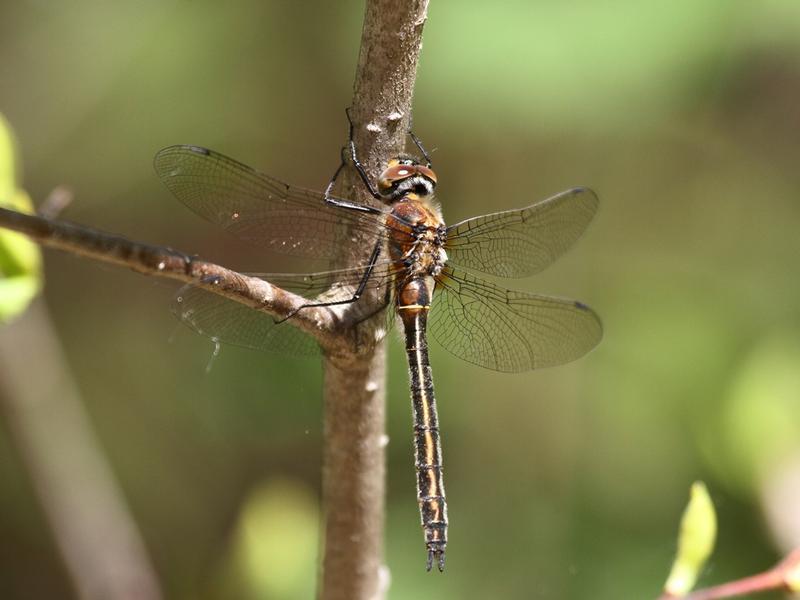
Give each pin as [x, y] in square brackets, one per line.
[418, 237]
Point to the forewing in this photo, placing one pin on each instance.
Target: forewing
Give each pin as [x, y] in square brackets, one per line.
[519, 243]
[310, 285]
[509, 331]
[258, 208]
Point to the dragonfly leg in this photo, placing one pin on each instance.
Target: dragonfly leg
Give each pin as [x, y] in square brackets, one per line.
[373, 259]
[416, 141]
[357, 163]
[332, 182]
[419, 145]
[332, 201]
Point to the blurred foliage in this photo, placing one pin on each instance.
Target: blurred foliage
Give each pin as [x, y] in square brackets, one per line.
[263, 564]
[8, 161]
[563, 484]
[20, 259]
[761, 422]
[612, 66]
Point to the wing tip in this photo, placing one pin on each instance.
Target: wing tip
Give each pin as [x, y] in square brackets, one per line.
[164, 157]
[587, 192]
[591, 312]
[582, 306]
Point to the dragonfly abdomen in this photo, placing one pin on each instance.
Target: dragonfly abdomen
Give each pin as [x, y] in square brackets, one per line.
[413, 305]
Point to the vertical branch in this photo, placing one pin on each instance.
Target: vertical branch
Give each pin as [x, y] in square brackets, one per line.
[355, 387]
[387, 69]
[354, 477]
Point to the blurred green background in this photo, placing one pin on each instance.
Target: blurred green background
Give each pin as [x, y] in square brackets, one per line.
[566, 483]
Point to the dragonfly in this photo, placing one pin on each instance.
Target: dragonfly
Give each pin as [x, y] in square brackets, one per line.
[431, 275]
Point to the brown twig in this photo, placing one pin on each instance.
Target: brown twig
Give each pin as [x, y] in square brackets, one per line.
[773, 579]
[355, 394]
[166, 262]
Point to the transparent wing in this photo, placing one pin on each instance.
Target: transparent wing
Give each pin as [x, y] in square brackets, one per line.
[312, 285]
[230, 322]
[519, 243]
[258, 208]
[509, 331]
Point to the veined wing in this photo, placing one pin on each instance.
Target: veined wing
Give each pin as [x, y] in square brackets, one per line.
[260, 209]
[230, 322]
[311, 285]
[509, 331]
[518, 243]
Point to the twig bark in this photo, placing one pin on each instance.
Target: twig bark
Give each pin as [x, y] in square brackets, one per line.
[172, 264]
[355, 394]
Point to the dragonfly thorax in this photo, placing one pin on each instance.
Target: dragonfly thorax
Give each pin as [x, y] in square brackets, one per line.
[418, 236]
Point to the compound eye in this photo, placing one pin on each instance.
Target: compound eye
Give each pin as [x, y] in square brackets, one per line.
[428, 173]
[396, 172]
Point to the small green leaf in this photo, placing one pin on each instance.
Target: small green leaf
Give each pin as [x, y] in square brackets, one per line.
[8, 165]
[695, 542]
[15, 295]
[20, 258]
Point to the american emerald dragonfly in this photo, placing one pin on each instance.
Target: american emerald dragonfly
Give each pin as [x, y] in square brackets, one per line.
[429, 272]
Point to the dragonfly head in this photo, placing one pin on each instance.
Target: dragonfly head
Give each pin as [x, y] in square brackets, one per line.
[405, 175]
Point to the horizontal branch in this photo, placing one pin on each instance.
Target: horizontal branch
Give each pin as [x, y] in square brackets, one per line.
[784, 576]
[160, 261]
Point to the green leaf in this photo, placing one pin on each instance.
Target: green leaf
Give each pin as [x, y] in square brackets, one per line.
[20, 258]
[8, 164]
[696, 541]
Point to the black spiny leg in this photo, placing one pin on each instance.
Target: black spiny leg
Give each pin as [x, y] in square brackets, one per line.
[332, 182]
[373, 259]
[417, 143]
[357, 163]
[332, 201]
[339, 203]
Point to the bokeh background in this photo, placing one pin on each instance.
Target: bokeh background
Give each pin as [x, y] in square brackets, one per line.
[564, 484]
